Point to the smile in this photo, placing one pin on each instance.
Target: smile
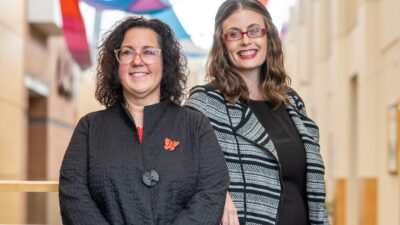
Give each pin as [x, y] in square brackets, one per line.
[247, 52]
[138, 74]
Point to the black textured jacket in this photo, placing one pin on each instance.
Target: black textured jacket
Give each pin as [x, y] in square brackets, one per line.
[101, 174]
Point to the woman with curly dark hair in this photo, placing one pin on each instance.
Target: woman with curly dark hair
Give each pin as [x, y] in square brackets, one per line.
[270, 145]
[144, 159]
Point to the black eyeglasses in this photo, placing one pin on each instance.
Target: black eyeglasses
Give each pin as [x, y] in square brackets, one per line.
[235, 35]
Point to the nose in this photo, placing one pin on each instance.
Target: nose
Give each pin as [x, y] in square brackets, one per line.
[137, 60]
[245, 40]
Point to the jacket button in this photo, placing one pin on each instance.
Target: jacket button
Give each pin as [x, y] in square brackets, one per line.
[150, 178]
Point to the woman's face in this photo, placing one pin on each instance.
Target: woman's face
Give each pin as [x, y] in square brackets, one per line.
[246, 54]
[140, 77]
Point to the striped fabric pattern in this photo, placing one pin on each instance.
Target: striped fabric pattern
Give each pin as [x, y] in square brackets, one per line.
[252, 159]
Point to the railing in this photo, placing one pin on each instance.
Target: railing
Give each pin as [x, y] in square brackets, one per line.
[45, 187]
[28, 186]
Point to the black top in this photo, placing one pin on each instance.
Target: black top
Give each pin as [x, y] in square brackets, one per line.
[177, 175]
[292, 161]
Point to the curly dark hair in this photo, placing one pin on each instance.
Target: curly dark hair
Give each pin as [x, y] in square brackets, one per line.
[274, 81]
[173, 82]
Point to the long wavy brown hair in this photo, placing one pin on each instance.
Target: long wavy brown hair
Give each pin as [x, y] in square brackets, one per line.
[173, 82]
[274, 81]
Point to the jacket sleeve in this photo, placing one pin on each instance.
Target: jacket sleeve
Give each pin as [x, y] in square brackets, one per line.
[76, 204]
[206, 206]
[316, 198]
[298, 103]
[197, 100]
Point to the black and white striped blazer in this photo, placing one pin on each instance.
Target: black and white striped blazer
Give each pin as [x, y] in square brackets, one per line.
[253, 163]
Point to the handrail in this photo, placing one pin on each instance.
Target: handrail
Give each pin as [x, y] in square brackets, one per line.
[28, 186]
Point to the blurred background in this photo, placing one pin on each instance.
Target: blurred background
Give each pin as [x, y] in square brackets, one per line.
[343, 57]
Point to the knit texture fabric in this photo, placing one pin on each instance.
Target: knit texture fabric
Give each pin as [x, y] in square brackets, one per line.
[101, 174]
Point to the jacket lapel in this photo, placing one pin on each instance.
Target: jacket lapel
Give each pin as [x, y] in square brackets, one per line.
[246, 125]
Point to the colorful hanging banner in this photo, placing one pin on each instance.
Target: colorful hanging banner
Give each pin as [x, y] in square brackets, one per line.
[133, 6]
[264, 2]
[74, 33]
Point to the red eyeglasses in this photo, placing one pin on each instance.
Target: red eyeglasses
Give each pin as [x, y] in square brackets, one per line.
[235, 35]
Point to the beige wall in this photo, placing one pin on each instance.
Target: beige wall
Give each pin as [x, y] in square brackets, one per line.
[86, 101]
[12, 106]
[34, 131]
[344, 58]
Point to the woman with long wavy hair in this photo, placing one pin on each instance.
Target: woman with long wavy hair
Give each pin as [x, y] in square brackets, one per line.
[270, 145]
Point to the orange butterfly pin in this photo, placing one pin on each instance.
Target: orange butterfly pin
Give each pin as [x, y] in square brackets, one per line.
[170, 145]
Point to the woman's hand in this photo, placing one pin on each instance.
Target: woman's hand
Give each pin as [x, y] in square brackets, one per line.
[230, 216]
